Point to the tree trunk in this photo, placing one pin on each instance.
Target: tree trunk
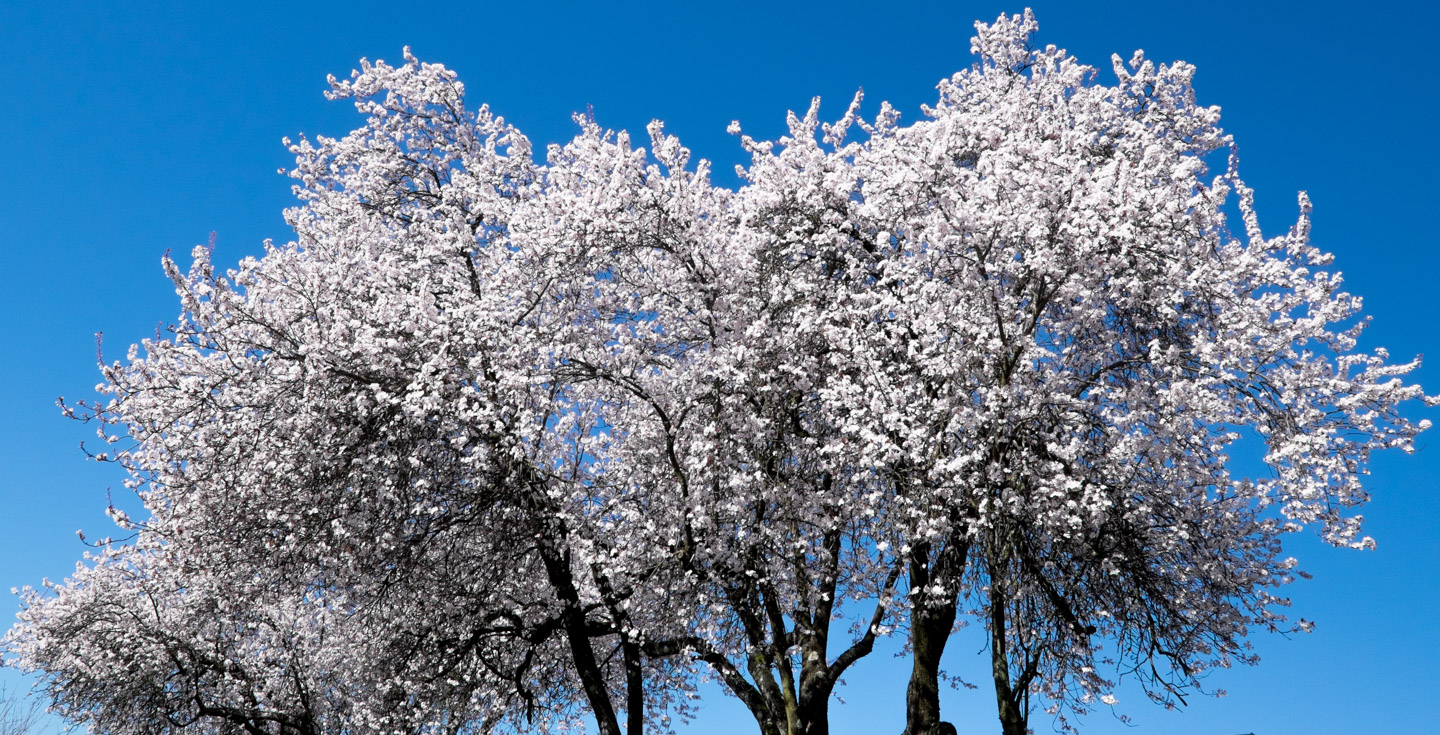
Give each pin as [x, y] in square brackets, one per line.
[816, 683]
[814, 712]
[631, 654]
[557, 568]
[634, 687]
[929, 632]
[931, 619]
[1013, 718]
[766, 721]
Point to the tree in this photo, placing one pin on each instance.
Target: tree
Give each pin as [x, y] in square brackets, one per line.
[133, 646]
[1080, 344]
[726, 425]
[441, 493]
[499, 444]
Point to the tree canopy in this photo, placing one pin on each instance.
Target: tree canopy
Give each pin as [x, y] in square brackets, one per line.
[500, 445]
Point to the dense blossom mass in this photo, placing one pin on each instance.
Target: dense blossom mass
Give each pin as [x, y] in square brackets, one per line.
[501, 445]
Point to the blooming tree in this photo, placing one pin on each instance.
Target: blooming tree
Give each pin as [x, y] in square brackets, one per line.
[500, 444]
[1082, 341]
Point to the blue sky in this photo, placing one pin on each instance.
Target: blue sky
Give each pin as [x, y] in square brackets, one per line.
[136, 128]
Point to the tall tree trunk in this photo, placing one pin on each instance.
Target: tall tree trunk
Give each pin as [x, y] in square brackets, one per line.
[929, 632]
[1014, 720]
[814, 710]
[634, 686]
[630, 651]
[931, 618]
[557, 569]
[1014, 717]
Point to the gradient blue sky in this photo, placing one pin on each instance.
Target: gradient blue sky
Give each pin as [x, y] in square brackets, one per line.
[129, 131]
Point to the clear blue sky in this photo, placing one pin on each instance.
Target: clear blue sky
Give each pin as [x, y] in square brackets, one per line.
[129, 131]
